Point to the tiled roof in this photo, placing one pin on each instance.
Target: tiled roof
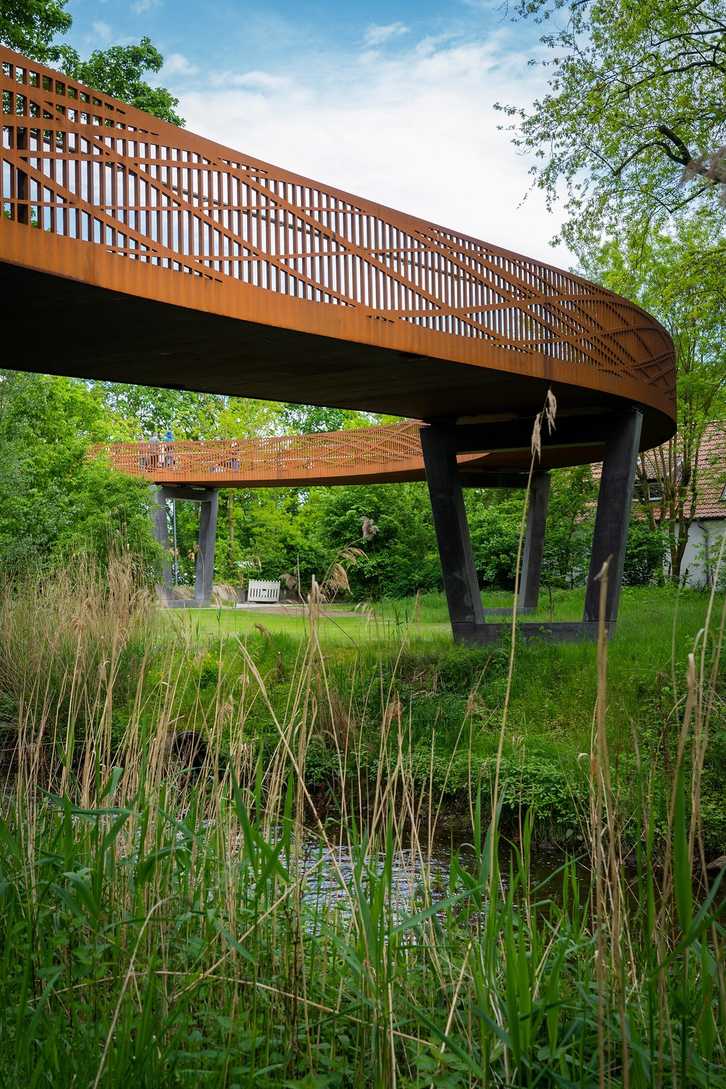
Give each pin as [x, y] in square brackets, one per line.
[712, 473]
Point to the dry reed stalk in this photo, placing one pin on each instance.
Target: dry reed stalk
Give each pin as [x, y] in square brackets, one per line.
[548, 415]
[285, 740]
[605, 860]
[127, 978]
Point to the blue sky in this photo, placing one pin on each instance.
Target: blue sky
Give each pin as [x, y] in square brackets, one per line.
[392, 101]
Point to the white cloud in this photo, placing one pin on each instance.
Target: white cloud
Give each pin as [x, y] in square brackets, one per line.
[379, 33]
[254, 80]
[101, 30]
[176, 64]
[415, 130]
[140, 7]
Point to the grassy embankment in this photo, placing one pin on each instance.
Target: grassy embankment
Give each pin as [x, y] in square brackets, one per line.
[452, 699]
[162, 927]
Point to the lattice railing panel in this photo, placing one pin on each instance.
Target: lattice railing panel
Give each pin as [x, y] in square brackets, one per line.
[84, 166]
[367, 451]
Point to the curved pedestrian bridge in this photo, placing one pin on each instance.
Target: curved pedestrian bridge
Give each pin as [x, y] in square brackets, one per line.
[165, 258]
[372, 455]
[135, 251]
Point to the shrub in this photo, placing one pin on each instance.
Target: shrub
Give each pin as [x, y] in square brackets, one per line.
[644, 555]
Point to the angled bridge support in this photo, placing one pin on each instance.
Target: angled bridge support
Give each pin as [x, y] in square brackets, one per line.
[452, 532]
[208, 498]
[620, 435]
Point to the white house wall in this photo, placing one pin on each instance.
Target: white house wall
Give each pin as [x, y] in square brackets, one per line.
[699, 559]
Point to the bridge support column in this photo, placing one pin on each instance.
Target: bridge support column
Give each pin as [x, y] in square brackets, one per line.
[452, 531]
[614, 506]
[539, 497]
[204, 574]
[161, 533]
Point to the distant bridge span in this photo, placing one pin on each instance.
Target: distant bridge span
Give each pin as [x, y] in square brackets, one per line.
[366, 455]
[135, 251]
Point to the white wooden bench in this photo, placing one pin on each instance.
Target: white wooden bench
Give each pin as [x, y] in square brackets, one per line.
[263, 590]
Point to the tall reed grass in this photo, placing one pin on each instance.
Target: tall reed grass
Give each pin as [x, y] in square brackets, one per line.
[169, 921]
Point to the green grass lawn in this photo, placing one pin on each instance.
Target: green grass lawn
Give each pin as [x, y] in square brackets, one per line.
[336, 626]
[651, 618]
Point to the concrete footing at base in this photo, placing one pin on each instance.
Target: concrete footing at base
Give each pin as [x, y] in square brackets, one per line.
[506, 610]
[557, 631]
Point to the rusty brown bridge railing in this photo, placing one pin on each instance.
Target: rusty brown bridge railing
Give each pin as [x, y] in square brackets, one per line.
[369, 454]
[125, 202]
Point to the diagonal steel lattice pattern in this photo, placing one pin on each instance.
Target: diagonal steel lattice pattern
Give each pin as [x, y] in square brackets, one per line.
[81, 166]
[390, 452]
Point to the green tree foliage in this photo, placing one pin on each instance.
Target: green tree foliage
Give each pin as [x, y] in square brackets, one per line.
[308, 419]
[670, 276]
[401, 557]
[151, 410]
[635, 106]
[570, 522]
[31, 27]
[646, 551]
[119, 71]
[495, 519]
[277, 535]
[52, 499]
[243, 418]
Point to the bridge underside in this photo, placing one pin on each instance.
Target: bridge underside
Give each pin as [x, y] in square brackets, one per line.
[447, 473]
[78, 329]
[83, 330]
[135, 251]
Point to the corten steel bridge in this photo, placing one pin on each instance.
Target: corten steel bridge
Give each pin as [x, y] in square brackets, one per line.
[195, 471]
[134, 251]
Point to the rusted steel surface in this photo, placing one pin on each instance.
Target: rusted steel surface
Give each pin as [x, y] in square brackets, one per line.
[108, 197]
[370, 454]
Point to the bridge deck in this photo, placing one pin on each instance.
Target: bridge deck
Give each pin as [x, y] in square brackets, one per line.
[137, 251]
[369, 455]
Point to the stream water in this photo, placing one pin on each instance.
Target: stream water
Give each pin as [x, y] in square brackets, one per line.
[332, 870]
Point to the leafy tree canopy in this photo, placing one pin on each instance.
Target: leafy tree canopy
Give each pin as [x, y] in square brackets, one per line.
[151, 410]
[32, 26]
[308, 419]
[635, 107]
[672, 278]
[52, 497]
[678, 276]
[119, 71]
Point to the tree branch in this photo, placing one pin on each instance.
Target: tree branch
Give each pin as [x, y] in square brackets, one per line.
[617, 170]
[684, 156]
